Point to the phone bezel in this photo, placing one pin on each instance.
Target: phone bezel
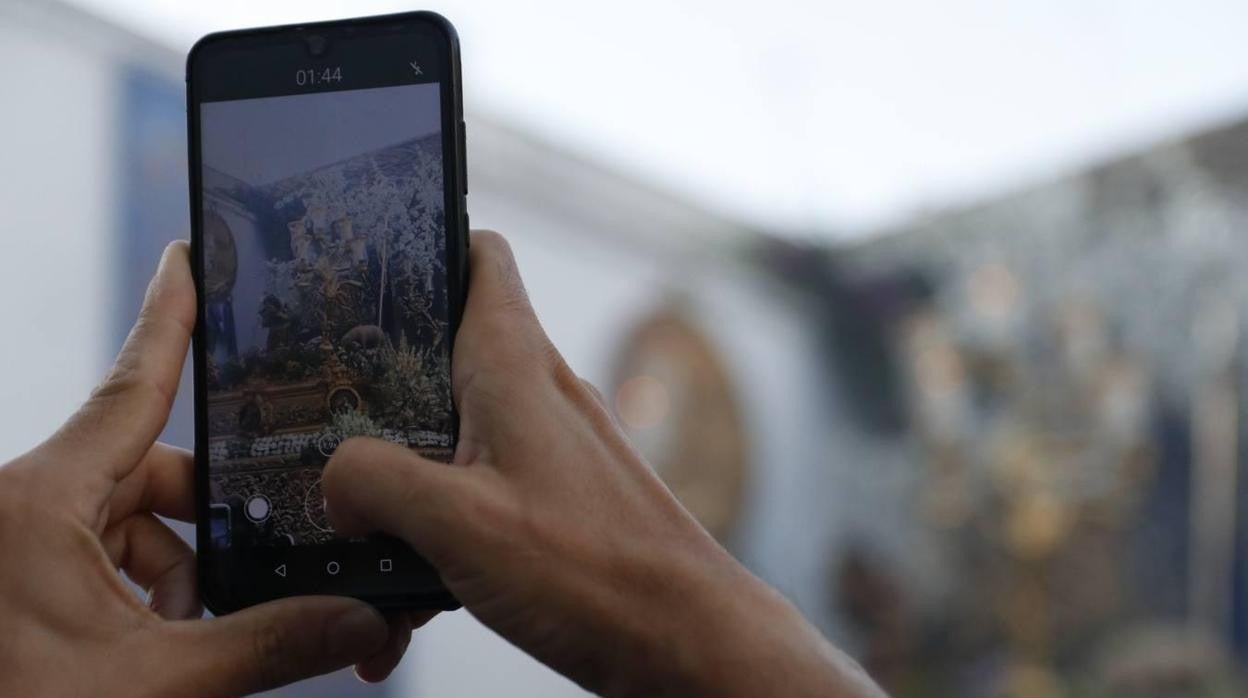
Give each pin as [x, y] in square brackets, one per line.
[221, 597]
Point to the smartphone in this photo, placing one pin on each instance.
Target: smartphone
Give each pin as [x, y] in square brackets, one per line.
[329, 241]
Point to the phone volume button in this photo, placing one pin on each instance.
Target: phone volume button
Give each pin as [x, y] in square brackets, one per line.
[463, 154]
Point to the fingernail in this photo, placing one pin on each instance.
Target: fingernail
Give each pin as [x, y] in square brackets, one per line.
[358, 632]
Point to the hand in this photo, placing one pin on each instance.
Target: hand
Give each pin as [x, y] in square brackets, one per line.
[551, 529]
[83, 505]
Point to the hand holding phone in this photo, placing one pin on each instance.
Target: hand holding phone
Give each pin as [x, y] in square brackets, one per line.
[82, 507]
[552, 530]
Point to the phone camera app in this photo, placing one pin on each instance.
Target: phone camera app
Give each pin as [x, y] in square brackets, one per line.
[326, 313]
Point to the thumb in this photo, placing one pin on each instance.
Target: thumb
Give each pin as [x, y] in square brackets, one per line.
[277, 643]
[373, 485]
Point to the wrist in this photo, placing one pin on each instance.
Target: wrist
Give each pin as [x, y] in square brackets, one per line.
[723, 632]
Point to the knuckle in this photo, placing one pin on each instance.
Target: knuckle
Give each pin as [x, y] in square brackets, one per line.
[560, 371]
[486, 510]
[593, 390]
[479, 391]
[148, 318]
[128, 382]
[568, 384]
[148, 324]
[593, 403]
[510, 373]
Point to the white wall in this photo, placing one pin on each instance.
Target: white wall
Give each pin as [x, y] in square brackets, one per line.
[56, 218]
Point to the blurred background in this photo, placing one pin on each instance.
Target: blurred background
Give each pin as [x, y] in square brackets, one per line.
[931, 312]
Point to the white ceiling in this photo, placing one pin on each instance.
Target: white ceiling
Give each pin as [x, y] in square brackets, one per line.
[827, 119]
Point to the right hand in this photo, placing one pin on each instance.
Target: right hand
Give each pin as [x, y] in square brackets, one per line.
[552, 531]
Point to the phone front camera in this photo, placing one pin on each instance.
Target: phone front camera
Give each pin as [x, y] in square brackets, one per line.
[317, 45]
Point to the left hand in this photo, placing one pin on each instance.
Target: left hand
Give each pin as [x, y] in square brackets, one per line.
[83, 505]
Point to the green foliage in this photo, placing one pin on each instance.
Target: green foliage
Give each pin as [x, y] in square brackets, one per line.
[350, 423]
[411, 387]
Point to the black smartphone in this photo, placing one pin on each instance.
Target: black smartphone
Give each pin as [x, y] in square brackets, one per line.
[329, 241]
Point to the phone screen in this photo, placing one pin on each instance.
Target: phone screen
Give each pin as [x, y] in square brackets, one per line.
[327, 289]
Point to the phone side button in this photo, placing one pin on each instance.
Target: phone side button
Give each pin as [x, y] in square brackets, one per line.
[463, 150]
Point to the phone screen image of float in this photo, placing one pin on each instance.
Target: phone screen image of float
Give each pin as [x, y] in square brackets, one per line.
[325, 309]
